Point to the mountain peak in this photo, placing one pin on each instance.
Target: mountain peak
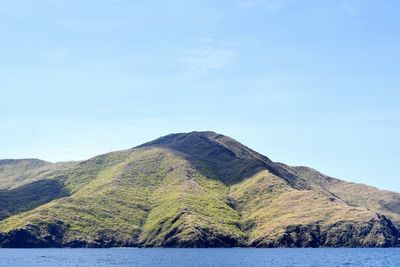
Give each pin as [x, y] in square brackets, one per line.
[177, 137]
[230, 161]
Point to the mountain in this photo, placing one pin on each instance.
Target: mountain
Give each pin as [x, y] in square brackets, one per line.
[15, 171]
[198, 189]
[28, 183]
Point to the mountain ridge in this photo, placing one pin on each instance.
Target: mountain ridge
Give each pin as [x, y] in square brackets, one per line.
[198, 189]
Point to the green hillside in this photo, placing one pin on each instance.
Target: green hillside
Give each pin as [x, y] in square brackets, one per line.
[357, 195]
[14, 171]
[28, 183]
[199, 189]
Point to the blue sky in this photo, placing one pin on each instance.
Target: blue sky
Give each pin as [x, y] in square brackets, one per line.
[307, 82]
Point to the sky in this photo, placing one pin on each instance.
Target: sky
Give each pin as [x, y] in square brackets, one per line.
[304, 82]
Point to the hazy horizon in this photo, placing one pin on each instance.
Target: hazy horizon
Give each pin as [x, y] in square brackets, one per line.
[312, 83]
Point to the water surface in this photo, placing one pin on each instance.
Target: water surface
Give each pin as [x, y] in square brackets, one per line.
[199, 257]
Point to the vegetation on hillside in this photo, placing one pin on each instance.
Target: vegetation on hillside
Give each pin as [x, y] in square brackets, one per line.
[189, 190]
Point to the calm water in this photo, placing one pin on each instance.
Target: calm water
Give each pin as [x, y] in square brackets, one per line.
[199, 257]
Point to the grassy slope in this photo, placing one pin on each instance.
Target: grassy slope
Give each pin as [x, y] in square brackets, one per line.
[190, 210]
[29, 196]
[270, 206]
[14, 172]
[381, 201]
[190, 190]
[152, 188]
[37, 182]
[209, 154]
[358, 195]
[31, 186]
[108, 209]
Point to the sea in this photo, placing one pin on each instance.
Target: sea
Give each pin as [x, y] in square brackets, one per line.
[200, 257]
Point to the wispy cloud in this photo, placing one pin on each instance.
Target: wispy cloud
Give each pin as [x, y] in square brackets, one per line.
[327, 7]
[350, 8]
[206, 55]
[269, 5]
[58, 55]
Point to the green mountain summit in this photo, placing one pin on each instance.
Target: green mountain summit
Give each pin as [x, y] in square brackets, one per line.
[198, 189]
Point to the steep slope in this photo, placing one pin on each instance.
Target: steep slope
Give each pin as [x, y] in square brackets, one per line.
[33, 187]
[15, 171]
[91, 204]
[199, 189]
[151, 189]
[277, 215]
[357, 195]
[190, 210]
[34, 183]
[222, 157]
